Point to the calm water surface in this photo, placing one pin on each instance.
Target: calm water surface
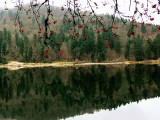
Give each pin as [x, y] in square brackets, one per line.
[81, 93]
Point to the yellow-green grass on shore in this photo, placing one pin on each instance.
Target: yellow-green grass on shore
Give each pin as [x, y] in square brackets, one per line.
[14, 65]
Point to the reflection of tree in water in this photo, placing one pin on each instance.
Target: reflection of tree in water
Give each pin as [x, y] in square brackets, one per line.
[51, 93]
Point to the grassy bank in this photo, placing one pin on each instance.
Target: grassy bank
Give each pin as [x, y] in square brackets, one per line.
[14, 65]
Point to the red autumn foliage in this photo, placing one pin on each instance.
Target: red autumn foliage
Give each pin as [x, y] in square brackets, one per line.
[15, 24]
[114, 37]
[54, 22]
[151, 19]
[85, 37]
[40, 28]
[71, 28]
[40, 37]
[131, 33]
[76, 34]
[92, 21]
[154, 6]
[141, 23]
[109, 43]
[64, 21]
[39, 31]
[73, 15]
[61, 52]
[106, 46]
[62, 8]
[51, 32]
[47, 51]
[142, 5]
[46, 55]
[106, 38]
[69, 20]
[97, 31]
[57, 43]
[86, 26]
[21, 30]
[46, 34]
[115, 27]
[80, 26]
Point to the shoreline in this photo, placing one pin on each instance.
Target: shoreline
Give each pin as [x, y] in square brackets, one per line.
[14, 65]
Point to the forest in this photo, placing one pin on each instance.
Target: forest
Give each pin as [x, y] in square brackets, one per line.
[96, 47]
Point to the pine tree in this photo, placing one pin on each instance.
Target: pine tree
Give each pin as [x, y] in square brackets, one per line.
[127, 49]
[156, 46]
[148, 49]
[101, 51]
[138, 48]
[143, 28]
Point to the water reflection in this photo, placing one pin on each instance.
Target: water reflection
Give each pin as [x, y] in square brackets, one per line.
[59, 93]
[144, 110]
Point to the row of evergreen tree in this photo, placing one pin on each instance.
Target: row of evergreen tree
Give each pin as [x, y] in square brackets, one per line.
[140, 49]
[21, 48]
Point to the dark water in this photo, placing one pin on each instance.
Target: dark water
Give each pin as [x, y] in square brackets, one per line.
[59, 93]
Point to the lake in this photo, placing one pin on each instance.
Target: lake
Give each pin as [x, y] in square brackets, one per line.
[116, 92]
